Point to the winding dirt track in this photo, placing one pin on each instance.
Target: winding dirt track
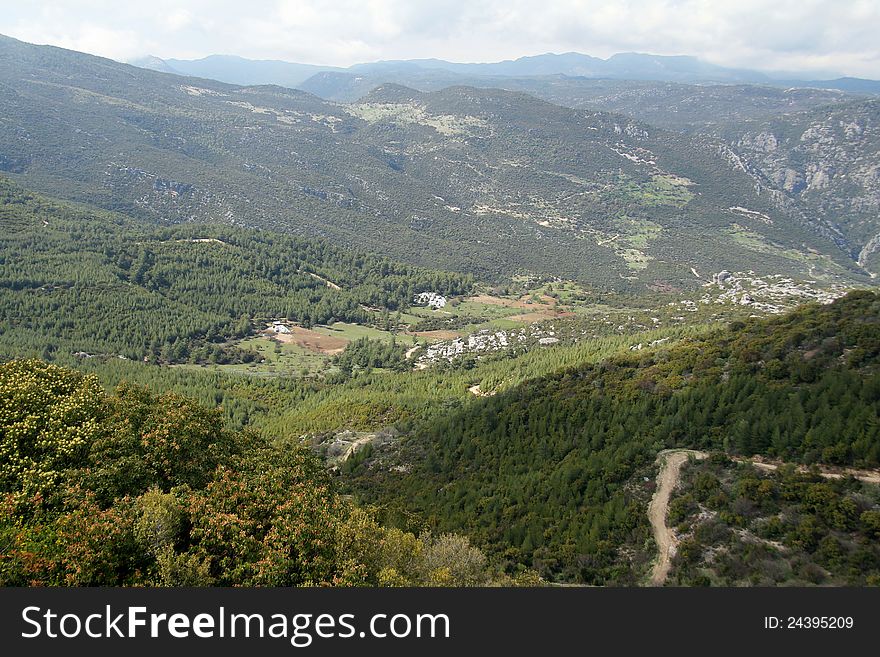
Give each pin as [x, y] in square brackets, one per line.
[670, 461]
[868, 476]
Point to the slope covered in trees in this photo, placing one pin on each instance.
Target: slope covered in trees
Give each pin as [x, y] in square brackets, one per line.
[74, 280]
[139, 489]
[556, 473]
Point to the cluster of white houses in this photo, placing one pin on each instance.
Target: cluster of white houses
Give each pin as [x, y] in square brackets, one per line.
[431, 299]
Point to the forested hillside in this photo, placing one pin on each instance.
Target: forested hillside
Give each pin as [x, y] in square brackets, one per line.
[136, 489]
[743, 526]
[555, 473]
[76, 280]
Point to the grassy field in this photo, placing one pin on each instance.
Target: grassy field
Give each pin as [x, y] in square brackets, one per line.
[668, 190]
[284, 356]
[638, 232]
[279, 359]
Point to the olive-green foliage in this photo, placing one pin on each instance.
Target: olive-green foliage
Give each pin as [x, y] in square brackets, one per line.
[452, 560]
[49, 419]
[161, 520]
[365, 353]
[790, 527]
[158, 492]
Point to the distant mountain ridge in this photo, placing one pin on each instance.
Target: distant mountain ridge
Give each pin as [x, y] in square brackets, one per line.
[237, 70]
[621, 66]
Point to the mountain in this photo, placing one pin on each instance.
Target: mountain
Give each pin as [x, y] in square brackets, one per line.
[676, 92]
[154, 64]
[851, 85]
[348, 87]
[817, 149]
[571, 63]
[238, 70]
[621, 66]
[675, 106]
[485, 181]
[825, 160]
[638, 66]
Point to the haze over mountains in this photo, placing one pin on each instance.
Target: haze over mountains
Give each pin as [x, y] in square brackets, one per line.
[622, 66]
[237, 70]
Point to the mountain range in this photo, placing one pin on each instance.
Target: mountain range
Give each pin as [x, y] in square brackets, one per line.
[485, 181]
[621, 66]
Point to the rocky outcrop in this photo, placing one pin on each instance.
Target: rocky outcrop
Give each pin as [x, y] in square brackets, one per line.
[823, 165]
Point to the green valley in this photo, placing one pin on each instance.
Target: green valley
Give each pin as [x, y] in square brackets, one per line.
[435, 336]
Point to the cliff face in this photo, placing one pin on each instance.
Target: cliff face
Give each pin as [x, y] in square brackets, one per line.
[828, 162]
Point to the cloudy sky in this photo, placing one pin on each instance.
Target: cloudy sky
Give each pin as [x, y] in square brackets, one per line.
[794, 35]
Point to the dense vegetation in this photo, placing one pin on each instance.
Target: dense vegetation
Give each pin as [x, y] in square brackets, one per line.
[549, 473]
[365, 354]
[543, 455]
[73, 280]
[743, 526]
[373, 399]
[140, 489]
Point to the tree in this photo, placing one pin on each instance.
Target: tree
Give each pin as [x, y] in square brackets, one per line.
[49, 418]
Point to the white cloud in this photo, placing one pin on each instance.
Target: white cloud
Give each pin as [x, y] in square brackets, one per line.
[767, 34]
[177, 19]
[121, 45]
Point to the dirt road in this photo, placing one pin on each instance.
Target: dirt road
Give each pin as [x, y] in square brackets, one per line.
[670, 461]
[868, 476]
